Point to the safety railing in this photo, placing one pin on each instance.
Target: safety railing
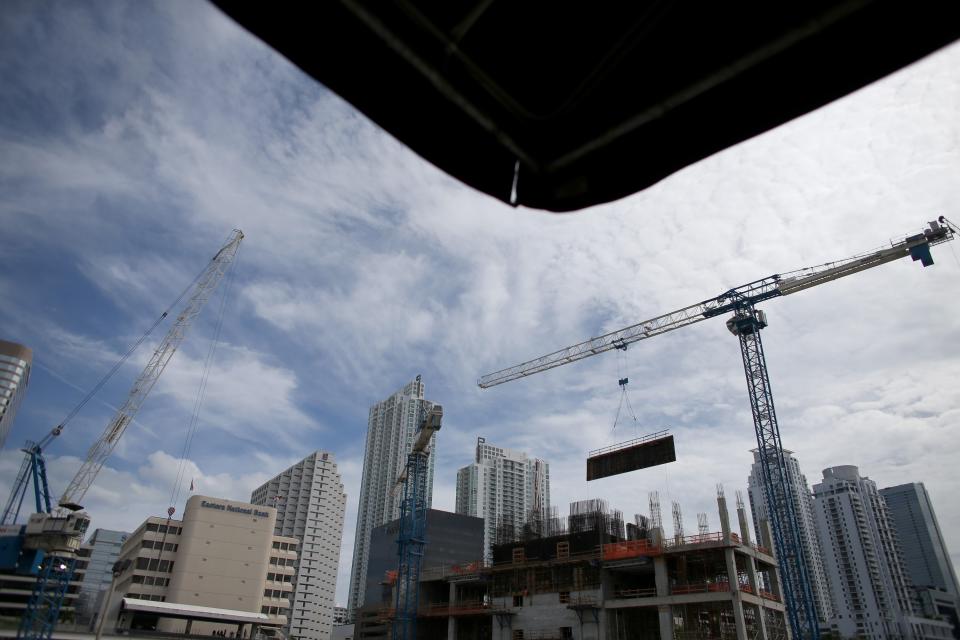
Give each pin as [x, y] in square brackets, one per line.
[699, 587]
[630, 549]
[636, 593]
[462, 607]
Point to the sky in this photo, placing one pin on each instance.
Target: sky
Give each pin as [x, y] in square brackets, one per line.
[134, 136]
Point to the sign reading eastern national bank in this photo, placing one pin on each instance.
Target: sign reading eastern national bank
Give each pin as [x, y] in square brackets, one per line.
[232, 509]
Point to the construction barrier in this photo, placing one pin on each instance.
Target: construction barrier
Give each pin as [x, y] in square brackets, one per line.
[629, 549]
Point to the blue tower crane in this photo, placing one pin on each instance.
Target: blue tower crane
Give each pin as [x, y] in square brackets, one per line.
[413, 524]
[746, 323]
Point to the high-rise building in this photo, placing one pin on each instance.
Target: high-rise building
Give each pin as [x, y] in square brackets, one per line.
[391, 427]
[15, 363]
[219, 570]
[95, 559]
[803, 507]
[504, 487]
[925, 553]
[869, 585]
[310, 504]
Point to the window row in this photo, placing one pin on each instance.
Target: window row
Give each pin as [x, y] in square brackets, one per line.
[285, 546]
[162, 528]
[283, 562]
[153, 564]
[279, 577]
[151, 580]
[144, 596]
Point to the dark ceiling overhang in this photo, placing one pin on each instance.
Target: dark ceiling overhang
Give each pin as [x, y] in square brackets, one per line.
[560, 106]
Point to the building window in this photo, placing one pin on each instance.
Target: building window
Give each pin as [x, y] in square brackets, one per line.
[564, 597]
[518, 601]
[566, 633]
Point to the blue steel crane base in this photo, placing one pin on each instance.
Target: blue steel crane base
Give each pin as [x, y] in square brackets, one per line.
[778, 488]
[43, 609]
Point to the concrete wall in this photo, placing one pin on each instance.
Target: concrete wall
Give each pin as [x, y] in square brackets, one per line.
[544, 614]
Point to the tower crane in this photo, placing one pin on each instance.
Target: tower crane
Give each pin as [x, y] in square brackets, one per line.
[413, 526]
[746, 323]
[51, 539]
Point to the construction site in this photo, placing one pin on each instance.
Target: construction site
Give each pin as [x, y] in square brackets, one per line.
[592, 576]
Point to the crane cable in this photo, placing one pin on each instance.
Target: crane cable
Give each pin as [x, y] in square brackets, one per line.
[116, 367]
[201, 391]
[623, 381]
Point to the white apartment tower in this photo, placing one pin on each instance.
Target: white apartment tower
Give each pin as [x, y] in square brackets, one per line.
[867, 578]
[804, 508]
[504, 487]
[310, 504]
[391, 426]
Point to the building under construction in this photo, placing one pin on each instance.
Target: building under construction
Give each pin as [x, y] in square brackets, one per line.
[593, 576]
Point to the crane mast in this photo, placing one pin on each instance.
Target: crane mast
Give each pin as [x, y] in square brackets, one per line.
[104, 446]
[746, 323]
[413, 526]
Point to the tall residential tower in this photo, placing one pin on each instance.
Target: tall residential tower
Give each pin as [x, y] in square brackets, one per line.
[504, 487]
[868, 582]
[803, 507]
[391, 427]
[310, 505]
[15, 363]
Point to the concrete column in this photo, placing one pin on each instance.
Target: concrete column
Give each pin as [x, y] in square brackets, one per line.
[724, 517]
[240, 629]
[186, 630]
[664, 612]
[774, 573]
[666, 622]
[762, 623]
[736, 598]
[660, 576]
[744, 528]
[451, 620]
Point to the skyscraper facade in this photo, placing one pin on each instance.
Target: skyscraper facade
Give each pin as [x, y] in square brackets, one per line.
[95, 568]
[504, 487]
[804, 508]
[925, 553]
[868, 582]
[15, 363]
[310, 504]
[391, 427]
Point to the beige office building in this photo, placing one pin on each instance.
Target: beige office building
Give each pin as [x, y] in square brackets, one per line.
[220, 568]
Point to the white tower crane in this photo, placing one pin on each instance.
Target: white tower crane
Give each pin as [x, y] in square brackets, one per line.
[59, 535]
